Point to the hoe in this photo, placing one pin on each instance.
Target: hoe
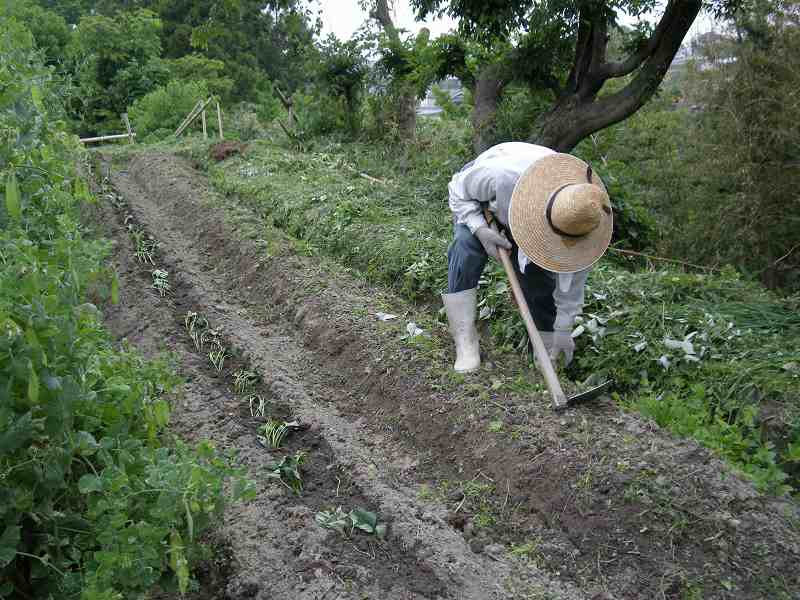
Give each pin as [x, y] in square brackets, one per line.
[560, 400]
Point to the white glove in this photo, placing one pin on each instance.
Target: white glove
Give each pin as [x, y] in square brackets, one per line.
[562, 343]
[490, 240]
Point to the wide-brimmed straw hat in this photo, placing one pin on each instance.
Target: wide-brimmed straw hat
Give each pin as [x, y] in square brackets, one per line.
[560, 214]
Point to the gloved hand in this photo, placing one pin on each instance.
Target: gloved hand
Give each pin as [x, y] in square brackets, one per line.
[490, 240]
[562, 343]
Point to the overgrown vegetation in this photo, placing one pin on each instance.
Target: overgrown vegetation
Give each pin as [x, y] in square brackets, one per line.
[96, 501]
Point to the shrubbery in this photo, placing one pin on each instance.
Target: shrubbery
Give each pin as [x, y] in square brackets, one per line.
[90, 505]
[159, 113]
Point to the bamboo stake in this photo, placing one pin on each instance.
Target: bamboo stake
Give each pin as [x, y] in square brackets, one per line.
[219, 122]
[192, 116]
[103, 138]
[128, 126]
[205, 133]
[187, 117]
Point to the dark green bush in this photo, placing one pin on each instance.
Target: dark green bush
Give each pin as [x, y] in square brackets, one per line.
[91, 505]
[159, 113]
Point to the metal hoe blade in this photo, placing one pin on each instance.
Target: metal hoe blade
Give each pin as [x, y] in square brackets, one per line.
[589, 394]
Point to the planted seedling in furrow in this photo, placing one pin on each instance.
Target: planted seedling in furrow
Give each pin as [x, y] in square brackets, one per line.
[160, 282]
[217, 357]
[288, 471]
[347, 523]
[257, 405]
[195, 325]
[275, 432]
[244, 380]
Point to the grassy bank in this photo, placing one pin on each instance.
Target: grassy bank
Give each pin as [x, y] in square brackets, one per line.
[711, 356]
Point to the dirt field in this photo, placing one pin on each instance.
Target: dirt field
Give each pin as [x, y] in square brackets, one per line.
[486, 492]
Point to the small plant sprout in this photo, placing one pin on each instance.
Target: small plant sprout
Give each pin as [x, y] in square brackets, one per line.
[209, 336]
[288, 471]
[244, 380]
[275, 432]
[257, 405]
[347, 523]
[161, 282]
[195, 325]
[145, 247]
[217, 357]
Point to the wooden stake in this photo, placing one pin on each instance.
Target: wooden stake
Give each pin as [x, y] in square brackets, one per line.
[128, 126]
[219, 122]
[205, 134]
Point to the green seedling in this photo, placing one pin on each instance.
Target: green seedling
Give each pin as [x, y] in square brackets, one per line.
[257, 405]
[347, 523]
[244, 380]
[288, 471]
[161, 282]
[275, 432]
[145, 247]
[217, 358]
[209, 336]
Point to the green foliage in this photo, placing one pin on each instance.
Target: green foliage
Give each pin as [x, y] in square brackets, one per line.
[159, 113]
[745, 158]
[288, 471]
[92, 506]
[200, 70]
[341, 69]
[258, 41]
[116, 60]
[347, 523]
[451, 110]
[49, 29]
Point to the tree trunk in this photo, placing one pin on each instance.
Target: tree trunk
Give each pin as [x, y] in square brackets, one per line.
[407, 114]
[488, 92]
[579, 111]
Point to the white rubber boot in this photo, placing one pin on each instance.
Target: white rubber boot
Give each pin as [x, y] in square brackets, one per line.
[460, 308]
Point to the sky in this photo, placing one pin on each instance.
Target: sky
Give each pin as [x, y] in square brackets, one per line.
[343, 17]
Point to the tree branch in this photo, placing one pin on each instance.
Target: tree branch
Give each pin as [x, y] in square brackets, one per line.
[380, 12]
[674, 11]
[616, 107]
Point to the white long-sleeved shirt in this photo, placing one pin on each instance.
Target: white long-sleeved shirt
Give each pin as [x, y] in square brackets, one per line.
[491, 178]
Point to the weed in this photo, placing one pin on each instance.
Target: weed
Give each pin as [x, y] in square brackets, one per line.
[161, 282]
[288, 471]
[529, 551]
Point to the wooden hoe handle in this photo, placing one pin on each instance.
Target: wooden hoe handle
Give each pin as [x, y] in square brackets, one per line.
[542, 357]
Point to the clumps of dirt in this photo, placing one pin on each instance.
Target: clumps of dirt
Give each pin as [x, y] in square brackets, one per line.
[223, 150]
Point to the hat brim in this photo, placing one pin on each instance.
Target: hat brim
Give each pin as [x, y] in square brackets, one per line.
[528, 220]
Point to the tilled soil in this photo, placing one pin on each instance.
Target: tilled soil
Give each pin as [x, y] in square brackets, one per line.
[487, 493]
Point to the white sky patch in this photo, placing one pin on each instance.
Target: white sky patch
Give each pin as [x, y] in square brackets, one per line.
[344, 17]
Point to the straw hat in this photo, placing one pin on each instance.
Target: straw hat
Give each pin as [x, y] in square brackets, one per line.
[560, 214]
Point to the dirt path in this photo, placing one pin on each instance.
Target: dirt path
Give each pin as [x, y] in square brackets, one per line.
[487, 494]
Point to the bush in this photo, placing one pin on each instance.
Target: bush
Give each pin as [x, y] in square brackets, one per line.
[745, 155]
[91, 506]
[243, 122]
[159, 113]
